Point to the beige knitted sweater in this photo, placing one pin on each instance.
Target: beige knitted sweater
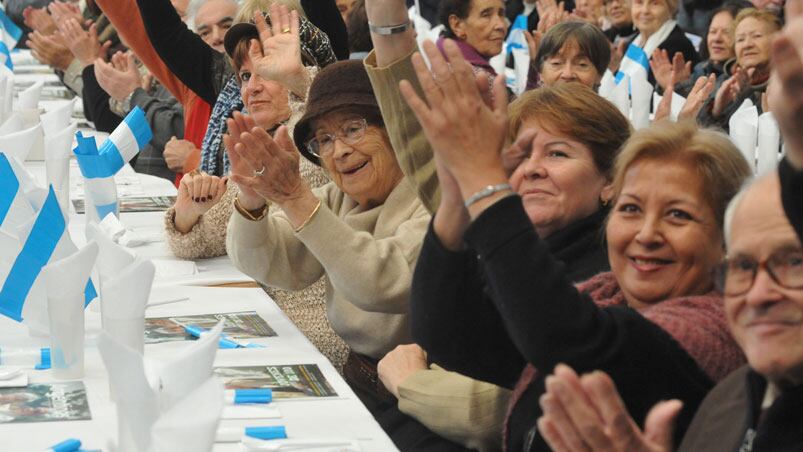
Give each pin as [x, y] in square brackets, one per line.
[306, 308]
[366, 255]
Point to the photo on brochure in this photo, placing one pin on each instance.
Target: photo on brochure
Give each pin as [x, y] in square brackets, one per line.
[238, 325]
[142, 204]
[294, 381]
[44, 403]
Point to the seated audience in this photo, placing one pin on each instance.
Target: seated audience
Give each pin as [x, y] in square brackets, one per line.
[565, 139]
[618, 14]
[657, 30]
[655, 321]
[716, 51]
[746, 76]
[758, 405]
[196, 225]
[362, 232]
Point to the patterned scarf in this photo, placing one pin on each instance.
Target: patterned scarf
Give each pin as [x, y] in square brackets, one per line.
[228, 101]
[316, 50]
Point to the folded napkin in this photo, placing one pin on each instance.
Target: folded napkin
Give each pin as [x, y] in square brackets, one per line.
[191, 423]
[769, 141]
[58, 118]
[57, 163]
[137, 404]
[744, 131]
[125, 298]
[641, 92]
[18, 144]
[12, 124]
[192, 367]
[29, 98]
[65, 282]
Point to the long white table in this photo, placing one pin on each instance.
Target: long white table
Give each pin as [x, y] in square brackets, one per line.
[341, 417]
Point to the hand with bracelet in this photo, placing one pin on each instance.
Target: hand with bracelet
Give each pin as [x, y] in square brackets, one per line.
[266, 168]
[466, 131]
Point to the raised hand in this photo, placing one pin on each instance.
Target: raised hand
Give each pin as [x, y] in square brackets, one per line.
[465, 133]
[617, 53]
[268, 167]
[787, 97]
[49, 50]
[83, 44]
[729, 91]
[661, 68]
[587, 414]
[699, 94]
[664, 109]
[120, 77]
[197, 193]
[277, 55]
[65, 11]
[38, 19]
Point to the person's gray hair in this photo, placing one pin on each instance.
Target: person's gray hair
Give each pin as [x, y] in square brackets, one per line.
[195, 5]
[733, 205]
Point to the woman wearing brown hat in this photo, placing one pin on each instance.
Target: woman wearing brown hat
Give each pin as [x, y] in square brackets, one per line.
[196, 225]
[362, 232]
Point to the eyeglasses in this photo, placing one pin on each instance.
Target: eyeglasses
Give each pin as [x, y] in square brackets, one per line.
[735, 276]
[322, 144]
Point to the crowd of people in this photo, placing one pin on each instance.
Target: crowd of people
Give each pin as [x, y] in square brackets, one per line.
[488, 270]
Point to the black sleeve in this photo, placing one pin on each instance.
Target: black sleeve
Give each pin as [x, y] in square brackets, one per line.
[325, 15]
[791, 191]
[96, 103]
[547, 319]
[453, 319]
[183, 52]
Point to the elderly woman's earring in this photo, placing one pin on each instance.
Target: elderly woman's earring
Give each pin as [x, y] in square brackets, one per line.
[462, 36]
[603, 202]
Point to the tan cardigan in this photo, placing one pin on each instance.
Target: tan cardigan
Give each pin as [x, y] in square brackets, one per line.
[366, 256]
[461, 409]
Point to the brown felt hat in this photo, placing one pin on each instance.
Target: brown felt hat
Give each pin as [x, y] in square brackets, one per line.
[339, 86]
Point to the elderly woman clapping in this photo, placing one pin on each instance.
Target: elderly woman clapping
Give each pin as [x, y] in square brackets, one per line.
[654, 322]
[362, 231]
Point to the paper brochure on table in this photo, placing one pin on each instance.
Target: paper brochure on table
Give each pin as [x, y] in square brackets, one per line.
[237, 325]
[288, 382]
[44, 403]
[137, 204]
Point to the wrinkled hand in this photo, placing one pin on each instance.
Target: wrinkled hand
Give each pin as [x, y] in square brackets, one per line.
[533, 42]
[587, 414]
[277, 55]
[83, 44]
[197, 193]
[252, 150]
[176, 153]
[662, 67]
[729, 90]
[65, 11]
[120, 77]
[552, 17]
[698, 96]
[49, 50]
[617, 54]
[402, 362]
[664, 109]
[465, 133]
[38, 19]
[787, 97]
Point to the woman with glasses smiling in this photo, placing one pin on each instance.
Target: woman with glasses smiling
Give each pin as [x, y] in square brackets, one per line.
[362, 232]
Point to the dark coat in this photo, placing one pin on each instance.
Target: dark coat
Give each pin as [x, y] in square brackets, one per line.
[729, 418]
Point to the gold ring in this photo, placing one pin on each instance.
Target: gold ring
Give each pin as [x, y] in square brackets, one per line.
[286, 30]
